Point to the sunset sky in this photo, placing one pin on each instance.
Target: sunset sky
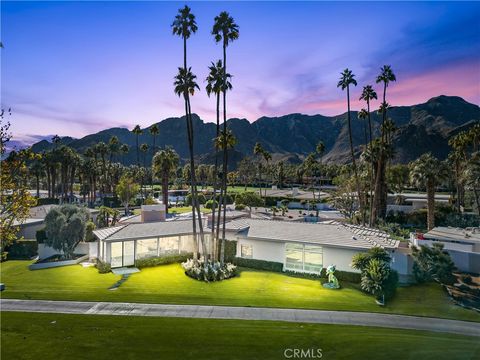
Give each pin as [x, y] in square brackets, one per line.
[73, 68]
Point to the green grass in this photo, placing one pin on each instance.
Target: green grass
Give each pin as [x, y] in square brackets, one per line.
[62, 336]
[168, 284]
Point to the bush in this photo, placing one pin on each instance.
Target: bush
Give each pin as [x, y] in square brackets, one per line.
[89, 227]
[212, 271]
[103, 267]
[41, 236]
[348, 276]
[22, 250]
[239, 207]
[111, 201]
[259, 264]
[150, 201]
[47, 201]
[230, 250]
[201, 199]
[209, 204]
[161, 260]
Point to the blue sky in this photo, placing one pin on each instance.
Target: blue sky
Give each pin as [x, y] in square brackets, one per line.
[73, 68]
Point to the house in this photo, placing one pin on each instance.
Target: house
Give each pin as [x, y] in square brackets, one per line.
[463, 245]
[409, 202]
[301, 247]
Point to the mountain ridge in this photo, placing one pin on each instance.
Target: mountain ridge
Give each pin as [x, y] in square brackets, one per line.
[421, 128]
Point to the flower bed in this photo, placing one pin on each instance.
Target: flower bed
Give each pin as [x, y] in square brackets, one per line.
[211, 271]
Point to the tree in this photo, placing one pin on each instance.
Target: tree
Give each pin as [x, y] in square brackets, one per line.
[124, 149]
[165, 163]
[215, 85]
[107, 216]
[348, 78]
[249, 199]
[65, 227]
[224, 30]
[126, 190]
[368, 94]
[225, 142]
[471, 177]
[15, 199]
[432, 263]
[380, 193]
[154, 131]
[137, 131]
[398, 177]
[428, 172]
[377, 277]
[184, 25]
[259, 151]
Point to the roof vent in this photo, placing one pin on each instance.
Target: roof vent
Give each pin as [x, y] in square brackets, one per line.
[354, 238]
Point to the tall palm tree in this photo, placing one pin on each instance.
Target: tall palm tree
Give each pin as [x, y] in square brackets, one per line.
[386, 76]
[226, 141]
[429, 172]
[154, 131]
[214, 86]
[144, 149]
[124, 149]
[369, 94]
[347, 78]
[225, 30]
[164, 163]
[37, 169]
[258, 151]
[137, 131]
[102, 149]
[320, 150]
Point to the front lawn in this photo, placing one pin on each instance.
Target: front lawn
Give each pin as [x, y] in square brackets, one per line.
[168, 284]
[61, 336]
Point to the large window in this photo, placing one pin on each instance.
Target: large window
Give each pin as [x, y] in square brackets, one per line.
[116, 254]
[305, 258]
[146, 248]
[246, 251]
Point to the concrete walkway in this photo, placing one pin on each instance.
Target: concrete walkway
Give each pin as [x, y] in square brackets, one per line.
[244, 313]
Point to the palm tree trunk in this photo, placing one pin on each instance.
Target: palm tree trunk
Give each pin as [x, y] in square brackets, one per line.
[430, 205]
[165, 190]
[354, 164]
[214, 239]
[372, 169]
[225, 150]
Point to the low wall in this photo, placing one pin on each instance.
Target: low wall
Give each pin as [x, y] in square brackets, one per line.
[39, 266]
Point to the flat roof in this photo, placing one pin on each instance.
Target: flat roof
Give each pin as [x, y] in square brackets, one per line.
[445, 233]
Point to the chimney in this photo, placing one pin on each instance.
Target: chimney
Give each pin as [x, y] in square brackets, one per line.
[152, 213]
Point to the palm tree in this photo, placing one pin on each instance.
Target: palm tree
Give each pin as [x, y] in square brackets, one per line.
[184, 25]
[154, 131]
[144, 149]
[137, 131]
[348, 78]
[320, 150]
[258, 150]
[37, 168]
[124, 149]
[164, 163]
[427, 171]
[380, 194]
[102, 149]
[472, 177]
[215, 85]
[225, 30]
[225, 142]
[368, 94]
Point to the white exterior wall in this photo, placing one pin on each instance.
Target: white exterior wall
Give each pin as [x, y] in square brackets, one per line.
[340, 257]
[29, 231]
[264, 250]
[45, 251]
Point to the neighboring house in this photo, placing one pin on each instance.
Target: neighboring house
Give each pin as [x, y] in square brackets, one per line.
[463, 245]
[413, 201]
[300, 247]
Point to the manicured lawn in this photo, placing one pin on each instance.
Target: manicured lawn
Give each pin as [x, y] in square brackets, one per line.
[61, 336]
[168, 284]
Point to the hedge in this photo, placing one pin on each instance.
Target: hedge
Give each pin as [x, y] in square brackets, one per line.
[47, 201]
[41, 236]
[258, 264]
[22, 250]
[230, 250]
[162, 260]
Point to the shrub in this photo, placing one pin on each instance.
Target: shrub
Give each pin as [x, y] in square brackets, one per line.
[433, 263]
[230, 250]
[348, 276]
[161, 260]
[89, 227]
[22, 250]
[47, 201]
[239, 207]
[209, 204]
[259, 264]
[150, 201]
[211, 271]
[201, 199]
[41, 236]
[103, 267]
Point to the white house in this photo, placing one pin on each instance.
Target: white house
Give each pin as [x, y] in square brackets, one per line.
[301, 247]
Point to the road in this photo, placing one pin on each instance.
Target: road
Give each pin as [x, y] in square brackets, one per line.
[244, 313]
